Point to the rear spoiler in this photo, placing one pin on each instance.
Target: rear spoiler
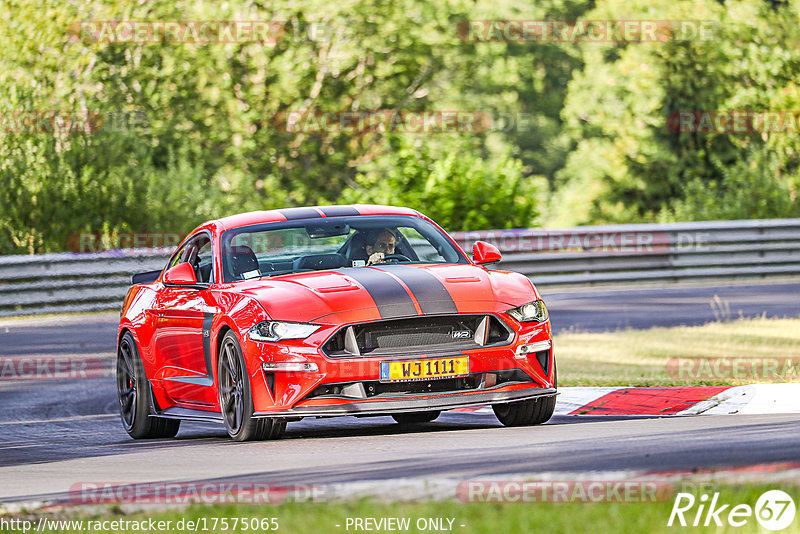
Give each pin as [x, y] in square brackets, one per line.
[145, 278]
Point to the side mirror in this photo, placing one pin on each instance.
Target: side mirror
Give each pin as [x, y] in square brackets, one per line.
[483, 252]
[181, 275]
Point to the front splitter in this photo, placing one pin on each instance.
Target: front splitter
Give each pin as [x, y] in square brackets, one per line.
[395, 404]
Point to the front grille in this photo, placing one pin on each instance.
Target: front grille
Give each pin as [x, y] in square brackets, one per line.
[419, 334]
[403, 337]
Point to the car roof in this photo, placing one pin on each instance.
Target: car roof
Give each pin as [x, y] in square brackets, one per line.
[311, 212]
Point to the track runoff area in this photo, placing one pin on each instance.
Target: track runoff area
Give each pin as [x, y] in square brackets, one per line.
[634, 452]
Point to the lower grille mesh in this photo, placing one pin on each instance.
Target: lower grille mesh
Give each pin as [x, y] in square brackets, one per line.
[408, 337]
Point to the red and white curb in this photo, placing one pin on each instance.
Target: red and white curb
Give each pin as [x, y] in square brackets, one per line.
[678, 400]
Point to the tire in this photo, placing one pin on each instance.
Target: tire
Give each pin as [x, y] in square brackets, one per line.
[415, 417]
[555, 374]
[133, 393]
[236, 400]
[526, 413]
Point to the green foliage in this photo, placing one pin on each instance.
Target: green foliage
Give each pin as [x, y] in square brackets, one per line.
[634, 168]
[751, 188]
[586, 137]
[210, 145]
[577, 509]
[460, 191]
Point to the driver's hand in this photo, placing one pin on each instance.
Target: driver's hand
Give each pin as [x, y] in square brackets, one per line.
[376, 257]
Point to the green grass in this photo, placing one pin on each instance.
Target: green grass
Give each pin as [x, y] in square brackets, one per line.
[639, 357]
[507, 518]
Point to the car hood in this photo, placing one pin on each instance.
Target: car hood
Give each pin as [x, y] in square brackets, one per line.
[388, 291]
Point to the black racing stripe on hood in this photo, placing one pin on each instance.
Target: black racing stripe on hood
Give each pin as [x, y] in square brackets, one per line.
[300, 213]
[339, 211]
[389, 295]
[431, 294]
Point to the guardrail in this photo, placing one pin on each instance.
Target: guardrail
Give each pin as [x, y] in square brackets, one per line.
[587, 255]
[648, 252]
[71, 282]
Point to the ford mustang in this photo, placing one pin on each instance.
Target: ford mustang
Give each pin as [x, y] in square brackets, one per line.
[264, 318]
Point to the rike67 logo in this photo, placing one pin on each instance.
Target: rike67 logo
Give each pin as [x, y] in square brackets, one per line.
[774, 510]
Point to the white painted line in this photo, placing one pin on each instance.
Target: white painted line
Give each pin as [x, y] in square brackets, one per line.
[60, 419]
[754, 399]
[773, 398]
[729, 401]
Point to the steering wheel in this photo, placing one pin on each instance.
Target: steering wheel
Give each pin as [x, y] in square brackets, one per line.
[398, 257]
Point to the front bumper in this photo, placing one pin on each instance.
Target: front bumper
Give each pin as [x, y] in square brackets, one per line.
[292, 394]
[390, 403]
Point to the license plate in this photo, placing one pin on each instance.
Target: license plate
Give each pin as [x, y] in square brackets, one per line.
[410, 370]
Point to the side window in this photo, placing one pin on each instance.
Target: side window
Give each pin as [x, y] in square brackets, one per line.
[196, 251]
[204, 266]
[424, 249]
[176, 259]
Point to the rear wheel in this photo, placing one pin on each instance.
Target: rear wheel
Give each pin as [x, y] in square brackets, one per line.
[236, 400]
[415, 417]
[524, 413]
[133, 392]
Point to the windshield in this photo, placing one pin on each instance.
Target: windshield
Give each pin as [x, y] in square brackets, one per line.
[332, 243]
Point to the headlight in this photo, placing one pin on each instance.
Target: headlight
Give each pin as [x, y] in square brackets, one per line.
[534, 311]
[279, 330]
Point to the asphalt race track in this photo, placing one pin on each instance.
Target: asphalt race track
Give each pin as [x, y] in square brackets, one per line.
[56, 433]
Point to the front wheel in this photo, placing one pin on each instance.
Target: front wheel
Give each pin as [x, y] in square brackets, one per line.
[524, 413]
[235, 398]
[133, 392]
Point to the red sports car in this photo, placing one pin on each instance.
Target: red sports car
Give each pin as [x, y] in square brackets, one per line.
[263, 318]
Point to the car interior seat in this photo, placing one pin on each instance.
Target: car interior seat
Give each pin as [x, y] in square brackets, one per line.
[356, 248]
[241, 261]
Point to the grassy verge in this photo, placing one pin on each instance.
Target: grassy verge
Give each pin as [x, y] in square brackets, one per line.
[640, 357]
[506, 518]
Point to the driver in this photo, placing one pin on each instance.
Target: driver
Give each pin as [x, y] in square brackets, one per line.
[380, 246]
